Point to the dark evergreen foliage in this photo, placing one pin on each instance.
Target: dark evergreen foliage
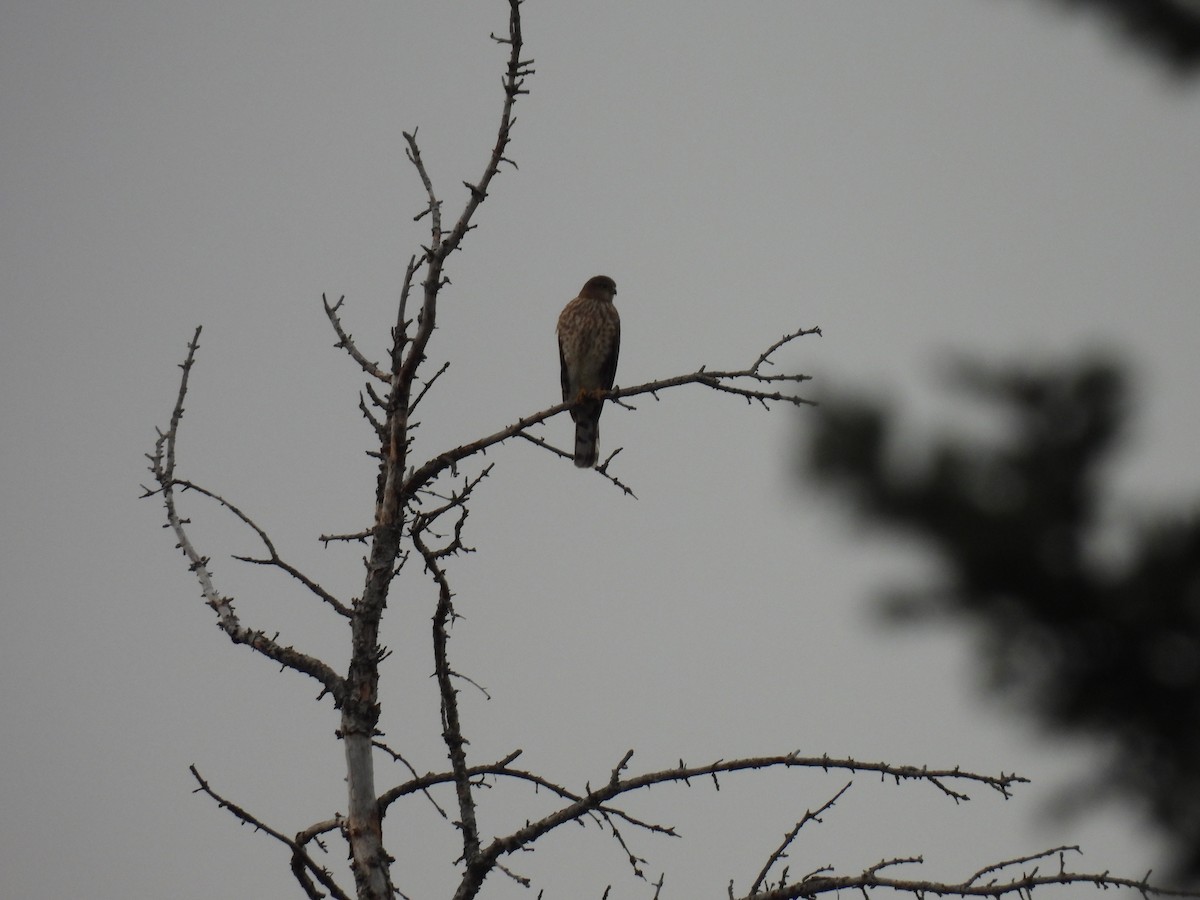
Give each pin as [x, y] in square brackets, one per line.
[1168, 30]
[1089, 643]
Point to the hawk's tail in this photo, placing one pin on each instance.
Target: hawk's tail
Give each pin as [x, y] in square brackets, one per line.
[587, 441]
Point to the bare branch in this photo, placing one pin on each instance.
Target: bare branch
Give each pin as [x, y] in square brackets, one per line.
[425, 389]
[514, 86]
[434, 206]
[379, 428]
[162, 465]
[273, 559]
[616, 786]
[400, 329]
[602, 469]
[519, 879]
[360, 536]
[1020, 885]
[720, 380]
[303, 865]
[424, 518]
[503, 769]
[451, 725]
[787, 338]
[1021, 860]
[780, 852]
[404, 762]
[346, 342]
[635, 861]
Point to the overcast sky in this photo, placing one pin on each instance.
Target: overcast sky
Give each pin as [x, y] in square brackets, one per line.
[912, 177]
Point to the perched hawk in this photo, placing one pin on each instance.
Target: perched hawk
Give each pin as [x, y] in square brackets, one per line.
[589, 336]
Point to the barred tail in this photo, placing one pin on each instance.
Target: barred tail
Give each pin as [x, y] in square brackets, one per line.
[587, 441]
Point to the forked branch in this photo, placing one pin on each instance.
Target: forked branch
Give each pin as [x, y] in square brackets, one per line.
[304, 867]
[162, 466]
[346, 342]
[780, 852]
[598, 801]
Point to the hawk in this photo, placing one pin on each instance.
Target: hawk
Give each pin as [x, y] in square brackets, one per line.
[589, 337]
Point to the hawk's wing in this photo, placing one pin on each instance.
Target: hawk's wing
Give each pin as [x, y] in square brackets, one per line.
[566, 378]
[608, 371]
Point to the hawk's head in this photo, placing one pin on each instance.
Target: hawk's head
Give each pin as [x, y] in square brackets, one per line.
[600, 287]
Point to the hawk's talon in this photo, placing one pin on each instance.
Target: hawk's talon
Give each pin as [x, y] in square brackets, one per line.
[590, 394]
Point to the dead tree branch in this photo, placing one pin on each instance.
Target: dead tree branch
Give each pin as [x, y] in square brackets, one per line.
[346, 342]
[601, 469]
[726, 381]
[303, 866]
[451, 724]
[1021, 885]
[780, 852]
[598, 800]
[162, 466]
[273, 559]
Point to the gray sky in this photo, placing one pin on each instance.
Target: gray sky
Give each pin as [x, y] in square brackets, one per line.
[911, 177]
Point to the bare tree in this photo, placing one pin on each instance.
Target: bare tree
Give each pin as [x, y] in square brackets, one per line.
[421, 504]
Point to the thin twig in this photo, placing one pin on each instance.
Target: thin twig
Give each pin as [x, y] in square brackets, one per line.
[274, 558]
[425, 388]
[1021, 860]
[404, 762]
[346, 342]
[780, 852]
